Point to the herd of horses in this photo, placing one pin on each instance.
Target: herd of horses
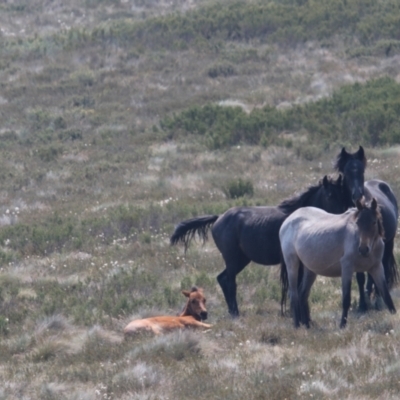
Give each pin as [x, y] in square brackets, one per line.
[336, 228]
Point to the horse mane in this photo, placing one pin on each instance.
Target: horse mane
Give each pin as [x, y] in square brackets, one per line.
[343, 158]
[381, 229]
[292, 204]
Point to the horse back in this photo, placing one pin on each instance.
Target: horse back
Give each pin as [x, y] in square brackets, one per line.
[252, 231]
[318, 239]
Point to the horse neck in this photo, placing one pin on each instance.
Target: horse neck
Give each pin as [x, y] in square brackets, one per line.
[186, 312]
[310, 197]
[347, 194]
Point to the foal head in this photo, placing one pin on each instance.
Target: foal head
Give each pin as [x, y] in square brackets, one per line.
[196, 304]
[369, 222]
[352, 167]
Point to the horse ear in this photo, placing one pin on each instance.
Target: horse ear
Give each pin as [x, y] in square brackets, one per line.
[359, 205]
[341, 160]
[339, 180]
[186, 293]
[374, 204]
[325, 182]
[361, 156]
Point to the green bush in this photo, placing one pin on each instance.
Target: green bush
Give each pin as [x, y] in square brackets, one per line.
[49, 153]
[3, 326]
[239, 188]
[289, 22]
[223, 70]
[225, 126]
[360, 113]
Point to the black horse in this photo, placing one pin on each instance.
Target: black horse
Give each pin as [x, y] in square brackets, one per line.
[352, 167]
[244, 234]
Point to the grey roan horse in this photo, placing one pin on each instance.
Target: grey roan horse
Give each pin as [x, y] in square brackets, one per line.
[333, 246]
[244, 234]
[352, 167]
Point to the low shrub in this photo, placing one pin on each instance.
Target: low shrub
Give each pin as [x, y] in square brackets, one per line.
[359, 113]
[239, 188]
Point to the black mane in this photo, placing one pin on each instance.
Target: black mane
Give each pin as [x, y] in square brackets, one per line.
[300, 200]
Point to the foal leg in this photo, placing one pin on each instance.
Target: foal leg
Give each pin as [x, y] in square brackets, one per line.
[235, 263]
[378, 275]
[362, 305]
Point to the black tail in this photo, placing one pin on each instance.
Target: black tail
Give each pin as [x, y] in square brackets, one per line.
[390, 266]
[186, 230]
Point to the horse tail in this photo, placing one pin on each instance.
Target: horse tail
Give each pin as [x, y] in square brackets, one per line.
[186, 230]
[285, 283]
[390, 266]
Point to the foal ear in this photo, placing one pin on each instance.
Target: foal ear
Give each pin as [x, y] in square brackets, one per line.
[359, 205]
[186, 293]
[374, 204]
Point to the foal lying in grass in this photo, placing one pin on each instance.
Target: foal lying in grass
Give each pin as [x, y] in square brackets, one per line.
[191, 317]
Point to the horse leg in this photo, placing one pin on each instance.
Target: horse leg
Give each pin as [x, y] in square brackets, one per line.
[347, 273]
[378, 275]
[305, 288]
[371, 286]
[362, 305]
[292, 265]
[227, 280]
[390, 271]
[389, 264]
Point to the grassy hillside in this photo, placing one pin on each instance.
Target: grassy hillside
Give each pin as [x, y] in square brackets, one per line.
[118, 120]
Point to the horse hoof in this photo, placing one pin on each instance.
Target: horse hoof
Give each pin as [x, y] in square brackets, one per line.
[362, 309]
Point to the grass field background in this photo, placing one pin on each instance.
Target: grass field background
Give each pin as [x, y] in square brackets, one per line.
[119, 119]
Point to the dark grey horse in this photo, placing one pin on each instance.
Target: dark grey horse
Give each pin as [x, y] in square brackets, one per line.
[244, 234]
[352, 167]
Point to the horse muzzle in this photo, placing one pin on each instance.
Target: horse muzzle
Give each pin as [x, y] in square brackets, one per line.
[203, 315]
[364, 251]
[357, 194]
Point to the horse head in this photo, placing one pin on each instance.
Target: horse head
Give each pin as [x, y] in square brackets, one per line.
[352, 167]
[196, 304]
[333, 198]
[369, 223]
